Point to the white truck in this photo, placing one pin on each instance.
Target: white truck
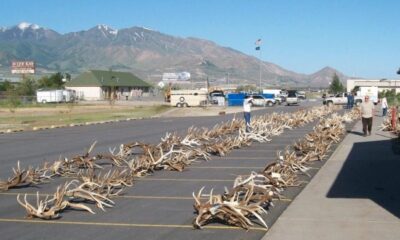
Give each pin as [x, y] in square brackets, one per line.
[189, 98]
[341, 99]
[372, 92]
[55, 96]
[278, 96]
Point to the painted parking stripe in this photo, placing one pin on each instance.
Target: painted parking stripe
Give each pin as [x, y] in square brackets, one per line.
[133, 196]
[244, 158]
[130, 225]
[185, 180]
[205, 167]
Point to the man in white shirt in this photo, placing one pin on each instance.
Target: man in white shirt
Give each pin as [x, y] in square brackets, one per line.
[367, 110]
[247, 103]
[384, 106]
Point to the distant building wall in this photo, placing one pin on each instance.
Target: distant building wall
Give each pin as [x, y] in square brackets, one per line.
[88, 93]
[383, 84]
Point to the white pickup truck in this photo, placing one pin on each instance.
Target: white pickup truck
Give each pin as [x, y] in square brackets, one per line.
[341, 99]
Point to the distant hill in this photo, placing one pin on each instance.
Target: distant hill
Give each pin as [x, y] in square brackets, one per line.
[146, 53]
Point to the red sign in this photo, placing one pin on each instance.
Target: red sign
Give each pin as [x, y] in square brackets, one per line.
[22, 67]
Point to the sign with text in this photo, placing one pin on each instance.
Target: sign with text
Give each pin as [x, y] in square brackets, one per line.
[22, 67]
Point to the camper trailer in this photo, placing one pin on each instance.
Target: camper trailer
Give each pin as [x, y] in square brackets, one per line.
[188, 98]
[55, 96]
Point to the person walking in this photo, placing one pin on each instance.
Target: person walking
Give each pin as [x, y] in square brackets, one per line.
[248, 101]
[384, 106]
[367, 109]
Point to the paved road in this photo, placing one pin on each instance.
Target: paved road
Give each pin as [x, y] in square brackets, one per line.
[158, 206]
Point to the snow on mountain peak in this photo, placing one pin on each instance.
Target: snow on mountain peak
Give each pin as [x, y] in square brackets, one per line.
[25, 25]
[148, 29]
[35, 26]
[108, 29]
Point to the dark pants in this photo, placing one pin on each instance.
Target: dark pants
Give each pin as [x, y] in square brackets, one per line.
[247, 120]
[384, 111]
[367, 125]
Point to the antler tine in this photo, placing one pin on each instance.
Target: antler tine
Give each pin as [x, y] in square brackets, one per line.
[91, 147]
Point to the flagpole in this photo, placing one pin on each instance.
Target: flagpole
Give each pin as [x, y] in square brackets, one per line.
[258, 48]
[260, 72]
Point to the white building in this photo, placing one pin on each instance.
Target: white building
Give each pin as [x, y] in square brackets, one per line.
[172, 77]
[382, 84]
[102, 85]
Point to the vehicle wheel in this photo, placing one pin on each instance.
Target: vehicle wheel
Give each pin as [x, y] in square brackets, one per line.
[288, 104]
[270, 104]
[330, 103]
[179, 105]
[185, 105]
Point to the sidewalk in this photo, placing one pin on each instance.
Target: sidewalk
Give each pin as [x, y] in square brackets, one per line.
[356, 194]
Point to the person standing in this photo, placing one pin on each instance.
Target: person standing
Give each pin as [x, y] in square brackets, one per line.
[348, 100]
[248, 101]
[384, 106]
[367, 109]
[351, 100]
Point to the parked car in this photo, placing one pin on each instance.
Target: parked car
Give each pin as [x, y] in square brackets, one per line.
[215, 95]
[260, 101]
[292, 98]
[301, 95]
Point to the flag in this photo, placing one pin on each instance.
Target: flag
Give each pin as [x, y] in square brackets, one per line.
[258, 44]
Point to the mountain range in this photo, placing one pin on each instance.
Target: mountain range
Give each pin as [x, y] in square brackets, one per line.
[146, 53]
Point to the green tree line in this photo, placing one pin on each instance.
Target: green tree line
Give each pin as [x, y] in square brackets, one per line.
[28, 85]
[391, 96]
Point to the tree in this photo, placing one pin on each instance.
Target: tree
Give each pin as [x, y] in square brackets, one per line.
[6, 85]
[53, 82]
[27, 87]
[356, 89]
[246, 88]
[336, 86]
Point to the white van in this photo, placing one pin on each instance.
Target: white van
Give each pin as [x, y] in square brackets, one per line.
[188, 98]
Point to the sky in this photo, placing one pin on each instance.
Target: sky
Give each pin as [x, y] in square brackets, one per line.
[358, 38]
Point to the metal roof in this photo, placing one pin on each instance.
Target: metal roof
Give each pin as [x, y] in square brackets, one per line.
[100, 78]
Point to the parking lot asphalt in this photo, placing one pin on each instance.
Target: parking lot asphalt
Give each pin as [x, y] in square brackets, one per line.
[157, 206]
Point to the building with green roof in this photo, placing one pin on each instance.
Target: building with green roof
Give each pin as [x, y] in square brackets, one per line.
[103, 85]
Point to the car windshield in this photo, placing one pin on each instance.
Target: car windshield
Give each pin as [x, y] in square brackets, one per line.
[257, 97]
[291, 94]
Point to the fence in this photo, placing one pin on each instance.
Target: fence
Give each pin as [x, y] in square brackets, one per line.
[6, 100]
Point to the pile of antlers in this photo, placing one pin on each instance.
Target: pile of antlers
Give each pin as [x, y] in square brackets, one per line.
[174, 152]
[88, 188]
[387, 124]
[251, 195]
[23, 178]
